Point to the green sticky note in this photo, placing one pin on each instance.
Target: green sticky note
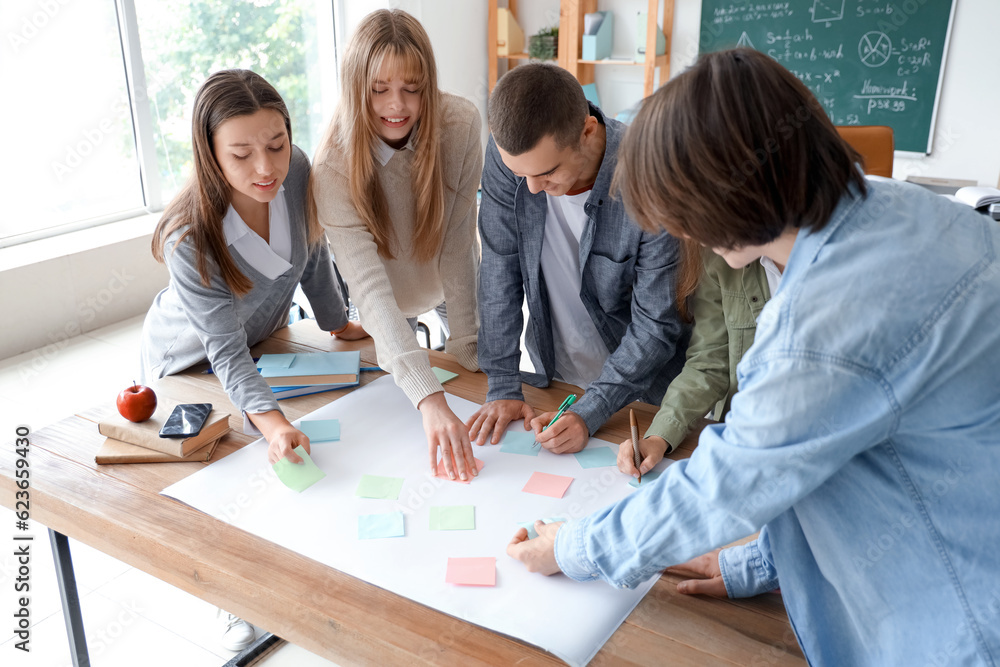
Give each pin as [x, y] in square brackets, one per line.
[520, 442]
[298, 476]
[373, 486]
[453, 517]
[647, 478]
[321, 430]
[374, 526]
[442, 375]
[597, 457]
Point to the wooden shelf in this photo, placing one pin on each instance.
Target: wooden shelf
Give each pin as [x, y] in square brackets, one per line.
[571, 14]
[661, 61]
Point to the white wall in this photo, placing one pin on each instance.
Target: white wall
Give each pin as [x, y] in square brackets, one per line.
[78, 289]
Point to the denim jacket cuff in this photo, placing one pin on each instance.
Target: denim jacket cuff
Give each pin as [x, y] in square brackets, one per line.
[571, 552]
[505, 387]
[593, 411]
[745, 572]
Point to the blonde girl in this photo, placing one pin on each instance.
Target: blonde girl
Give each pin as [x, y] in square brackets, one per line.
[394, 186]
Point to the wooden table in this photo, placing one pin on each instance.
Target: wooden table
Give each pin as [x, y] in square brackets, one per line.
[118, 509]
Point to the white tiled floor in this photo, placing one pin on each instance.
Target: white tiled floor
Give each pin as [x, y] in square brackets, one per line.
[130, 617]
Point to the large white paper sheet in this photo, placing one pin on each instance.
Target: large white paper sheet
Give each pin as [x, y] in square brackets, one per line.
[382, 434]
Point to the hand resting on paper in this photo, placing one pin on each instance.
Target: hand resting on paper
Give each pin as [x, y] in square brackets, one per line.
[651, 449]
[445, 431]
[495, 416]
[281, 436]
[568, 435]
[709, 576]
[538, 554]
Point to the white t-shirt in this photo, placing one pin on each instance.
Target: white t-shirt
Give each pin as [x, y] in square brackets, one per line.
[580, 351]
[271, 259]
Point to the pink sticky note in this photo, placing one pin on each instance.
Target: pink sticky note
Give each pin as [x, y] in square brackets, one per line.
[443, 474]
[545, 484]
[472, 571]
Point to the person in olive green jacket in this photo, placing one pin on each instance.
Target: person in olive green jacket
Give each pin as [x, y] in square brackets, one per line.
[725, 307]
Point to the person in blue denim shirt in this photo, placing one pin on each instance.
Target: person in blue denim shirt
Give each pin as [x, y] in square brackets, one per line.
[600, 291]
[864, 443]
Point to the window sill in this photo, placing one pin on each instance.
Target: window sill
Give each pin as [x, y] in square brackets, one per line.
[71, 243]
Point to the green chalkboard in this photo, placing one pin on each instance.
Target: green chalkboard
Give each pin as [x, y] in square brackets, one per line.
[869, 62]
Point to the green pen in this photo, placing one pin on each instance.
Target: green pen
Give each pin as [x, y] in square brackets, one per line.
[562, 408]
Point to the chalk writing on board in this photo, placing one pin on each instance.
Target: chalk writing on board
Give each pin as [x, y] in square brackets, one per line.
[869, 62]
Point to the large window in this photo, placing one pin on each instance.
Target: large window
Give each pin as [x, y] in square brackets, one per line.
[102, 127]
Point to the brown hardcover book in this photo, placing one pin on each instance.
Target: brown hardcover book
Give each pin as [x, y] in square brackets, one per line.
[147, 434]
[345, 379]
[116, 451]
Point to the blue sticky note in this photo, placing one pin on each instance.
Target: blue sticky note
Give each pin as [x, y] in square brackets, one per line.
[530, 525]
[320, 430]
[597, 457]
[374, 526]
[519, 442]
[298, 476]
[275, 360]
[647, 478]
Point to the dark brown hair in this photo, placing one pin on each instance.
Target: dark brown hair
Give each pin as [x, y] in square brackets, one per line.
[533, 101]
[202, 203]
[397, 39]
[733, 152]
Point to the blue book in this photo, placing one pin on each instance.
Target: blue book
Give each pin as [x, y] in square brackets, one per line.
[311, 368]
[305, 390]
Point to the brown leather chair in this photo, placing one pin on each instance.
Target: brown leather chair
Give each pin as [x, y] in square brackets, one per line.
[875, 144]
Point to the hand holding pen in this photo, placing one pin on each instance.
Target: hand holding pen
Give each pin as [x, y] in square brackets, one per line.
[568, 432]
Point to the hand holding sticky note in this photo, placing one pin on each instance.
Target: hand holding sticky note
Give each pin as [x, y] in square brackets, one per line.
[298, 476]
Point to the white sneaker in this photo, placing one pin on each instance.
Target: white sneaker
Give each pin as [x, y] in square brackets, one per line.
[237, 634]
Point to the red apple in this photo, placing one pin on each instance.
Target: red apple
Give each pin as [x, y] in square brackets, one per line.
[136, 403]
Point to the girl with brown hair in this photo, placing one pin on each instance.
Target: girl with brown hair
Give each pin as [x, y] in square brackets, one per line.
[394, 185]
[237, 242]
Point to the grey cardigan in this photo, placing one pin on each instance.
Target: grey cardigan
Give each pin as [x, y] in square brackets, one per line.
[189, 322]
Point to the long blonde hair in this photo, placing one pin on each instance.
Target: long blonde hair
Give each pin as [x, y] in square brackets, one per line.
[397, 38]
[203, 201]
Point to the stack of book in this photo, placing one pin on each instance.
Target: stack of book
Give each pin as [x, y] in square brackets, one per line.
[301, 373]
[140, 442]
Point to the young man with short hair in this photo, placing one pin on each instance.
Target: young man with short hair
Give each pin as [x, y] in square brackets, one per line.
[600, 291]
[864, 442]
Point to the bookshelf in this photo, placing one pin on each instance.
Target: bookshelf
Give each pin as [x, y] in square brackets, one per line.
[571, 14]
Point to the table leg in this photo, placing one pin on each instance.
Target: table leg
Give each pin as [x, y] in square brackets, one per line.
[70, 599]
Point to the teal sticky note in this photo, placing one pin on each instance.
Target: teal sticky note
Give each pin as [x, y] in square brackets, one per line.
[275, 360]
[597, 457]
[519, 442]
[442, 375]
[298, 476]
[374, 526]
[321, 430]
[647, 478]
[453, 517]
[373, 486]
[530, 525]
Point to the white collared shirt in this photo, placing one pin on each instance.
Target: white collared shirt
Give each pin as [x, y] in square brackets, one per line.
[272, 259]
[384, 152]
[773, 274]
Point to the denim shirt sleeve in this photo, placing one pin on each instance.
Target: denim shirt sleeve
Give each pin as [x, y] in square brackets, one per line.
[651, 339]
[748, 570]
[501, 288]
[800, 417]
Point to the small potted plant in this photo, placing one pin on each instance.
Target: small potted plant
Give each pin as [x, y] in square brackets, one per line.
[543, 45]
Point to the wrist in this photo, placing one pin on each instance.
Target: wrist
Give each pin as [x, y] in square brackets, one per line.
[432, 402]
[341, 329]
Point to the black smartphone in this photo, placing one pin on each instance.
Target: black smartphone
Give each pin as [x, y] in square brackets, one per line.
[185, 420]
